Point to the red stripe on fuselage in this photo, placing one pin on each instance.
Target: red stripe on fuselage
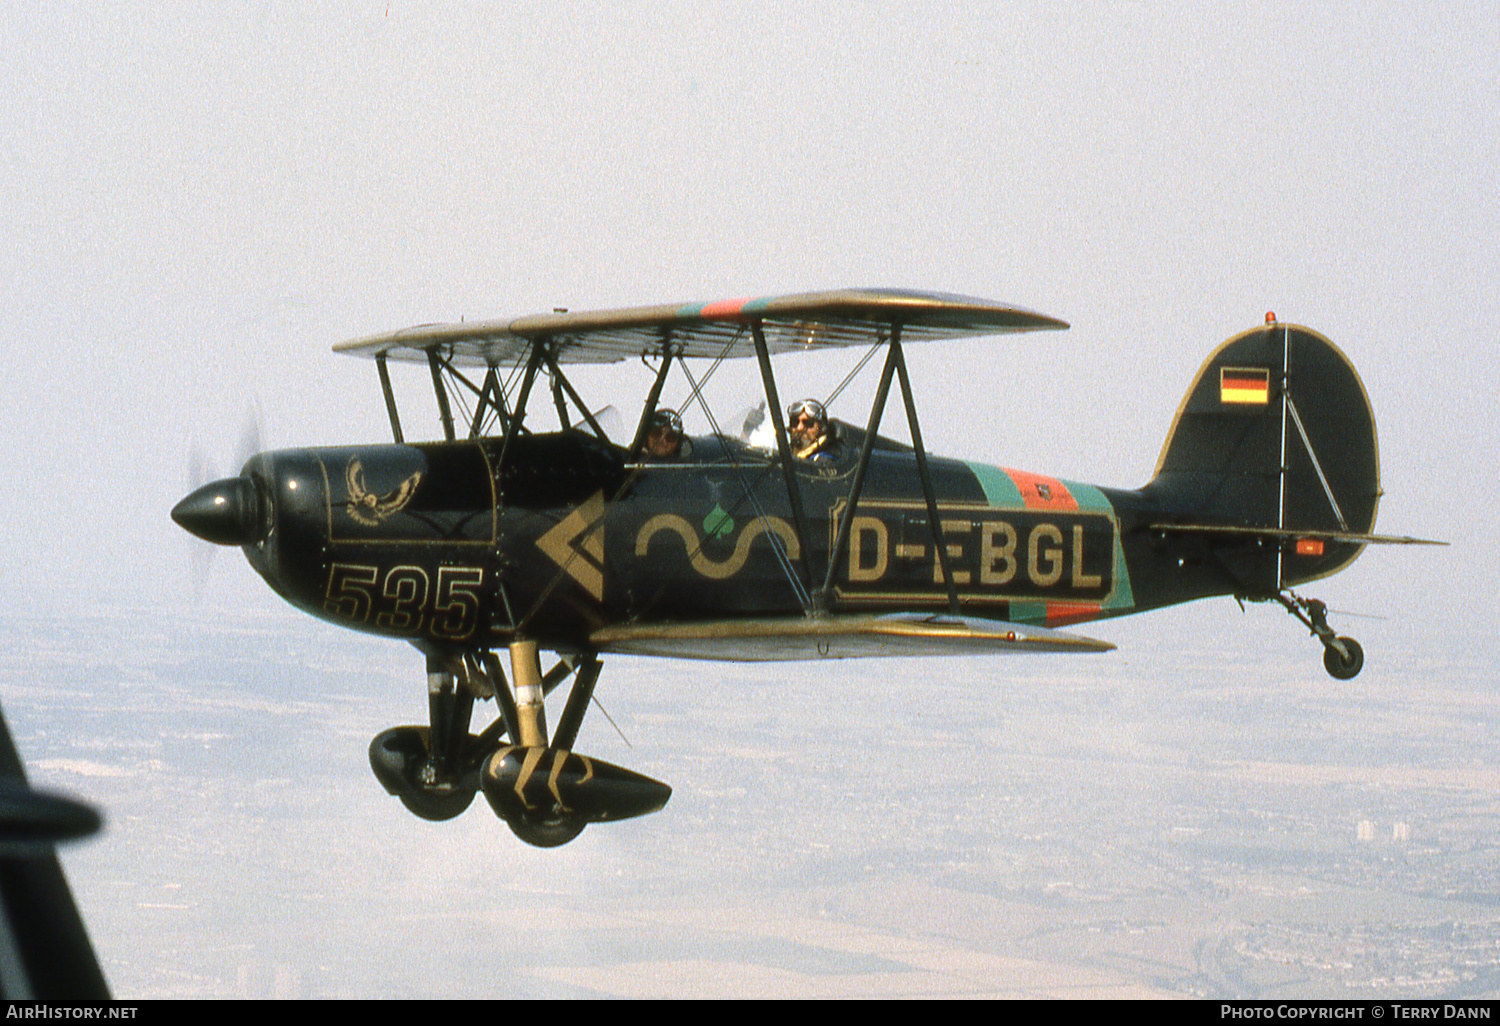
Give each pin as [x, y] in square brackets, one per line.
[1062, 613]
[1041, 492]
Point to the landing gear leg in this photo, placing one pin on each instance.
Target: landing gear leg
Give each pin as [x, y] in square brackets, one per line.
[543, 828]
[431, 769]
[1342, 657]
[526, 670]
[449, 709]
[546, 792]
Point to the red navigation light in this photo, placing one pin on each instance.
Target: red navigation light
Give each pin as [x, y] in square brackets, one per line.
[1270, 316]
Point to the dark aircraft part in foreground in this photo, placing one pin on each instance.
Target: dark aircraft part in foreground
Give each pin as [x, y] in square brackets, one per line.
[565, 542]
[45, 953]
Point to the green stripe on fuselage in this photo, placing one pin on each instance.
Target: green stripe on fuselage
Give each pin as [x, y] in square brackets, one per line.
[1001, 493]
[999, 490]
[1090, 498]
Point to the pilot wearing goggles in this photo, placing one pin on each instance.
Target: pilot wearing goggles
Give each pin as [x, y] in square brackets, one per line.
[810, 431]
[664, 437]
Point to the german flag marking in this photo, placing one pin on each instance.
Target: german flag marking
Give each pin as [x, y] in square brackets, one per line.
[1245, 385]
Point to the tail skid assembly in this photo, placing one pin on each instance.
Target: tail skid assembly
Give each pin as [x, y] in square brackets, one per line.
[1342, 657]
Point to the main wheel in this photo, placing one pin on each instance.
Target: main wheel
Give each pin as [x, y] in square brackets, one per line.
[546, 835]
[437, 806]
[1344, 668]
[400, 760]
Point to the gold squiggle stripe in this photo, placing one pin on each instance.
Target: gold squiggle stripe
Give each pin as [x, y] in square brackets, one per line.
[707, 567]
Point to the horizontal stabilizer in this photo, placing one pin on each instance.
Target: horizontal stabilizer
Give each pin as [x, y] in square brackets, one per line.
[1287, 534]
[837, 637]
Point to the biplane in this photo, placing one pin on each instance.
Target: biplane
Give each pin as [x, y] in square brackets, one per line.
[503, 535]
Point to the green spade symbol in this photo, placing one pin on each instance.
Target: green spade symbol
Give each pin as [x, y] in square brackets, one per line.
[718, 524]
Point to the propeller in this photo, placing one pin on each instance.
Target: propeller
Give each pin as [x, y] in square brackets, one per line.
[224, 511]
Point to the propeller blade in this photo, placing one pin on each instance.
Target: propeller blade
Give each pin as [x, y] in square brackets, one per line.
[201, 470]
[228, 515]
[250, 436]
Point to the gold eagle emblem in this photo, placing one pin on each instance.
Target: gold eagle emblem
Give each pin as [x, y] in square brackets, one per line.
[369, 508]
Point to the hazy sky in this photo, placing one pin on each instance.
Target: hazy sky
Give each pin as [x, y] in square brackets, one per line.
[198, 200]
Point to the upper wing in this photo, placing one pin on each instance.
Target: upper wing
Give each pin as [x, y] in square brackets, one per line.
[791, 639]
[814, 320]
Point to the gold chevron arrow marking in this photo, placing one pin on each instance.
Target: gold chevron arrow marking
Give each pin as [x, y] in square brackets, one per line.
[577, 545]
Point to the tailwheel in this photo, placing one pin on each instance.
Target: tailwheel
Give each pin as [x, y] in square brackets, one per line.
[1342, 657]
[1344, 666]
[402, 760]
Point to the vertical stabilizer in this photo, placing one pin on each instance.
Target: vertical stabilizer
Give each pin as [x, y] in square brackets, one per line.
[1276, 433]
